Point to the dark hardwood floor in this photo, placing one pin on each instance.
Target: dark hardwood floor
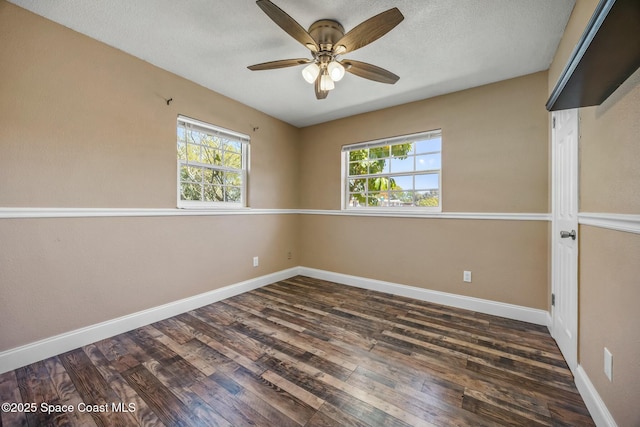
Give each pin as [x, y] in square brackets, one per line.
[305, 352]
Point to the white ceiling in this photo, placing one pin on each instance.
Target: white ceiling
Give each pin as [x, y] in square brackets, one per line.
[442, 46]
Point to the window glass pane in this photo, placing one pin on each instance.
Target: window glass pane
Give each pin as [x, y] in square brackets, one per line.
[427, 181]
[402, 165]
[357, 168]
[233, 178]
[232, 194]
[357, 185]
[381, 183]
[232, 160]
[401, 150]
[191, 173]
[379, 152]
[181, 133]
[379, 166]
[402, 182]
[211, 156]
[356, 155]
[399, 198]
[428, 162]
[428, 198]
[209, 193]
[213, 193]
[193, 153]
[184, 173]
[182, 151]
[233, 146]
[357, 199]
[373, 183]
[209, 176]
[373, 199]
[190, 191]
[210, 141]
[429, 145]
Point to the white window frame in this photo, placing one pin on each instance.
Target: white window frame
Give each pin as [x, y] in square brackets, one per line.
[218, 131]
[346, 149]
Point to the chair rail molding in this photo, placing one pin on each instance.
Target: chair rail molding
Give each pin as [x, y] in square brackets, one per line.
[620, 222]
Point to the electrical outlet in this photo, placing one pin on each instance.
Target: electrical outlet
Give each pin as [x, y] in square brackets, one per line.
[256, 261]
[608, 364]
[466, 276]
[289, 256]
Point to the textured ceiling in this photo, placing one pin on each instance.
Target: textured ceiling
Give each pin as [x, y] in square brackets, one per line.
[442, 46]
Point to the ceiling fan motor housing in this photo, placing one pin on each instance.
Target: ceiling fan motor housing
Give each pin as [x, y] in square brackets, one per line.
[326, 32]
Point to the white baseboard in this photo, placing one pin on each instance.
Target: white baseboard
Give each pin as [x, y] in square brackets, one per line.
[598, 410]
[511, 311]
[33, 352]
[43, 349]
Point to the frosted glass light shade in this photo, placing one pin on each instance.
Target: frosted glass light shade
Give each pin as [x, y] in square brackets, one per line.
[336, 71]
[326, 83]
[310, 72]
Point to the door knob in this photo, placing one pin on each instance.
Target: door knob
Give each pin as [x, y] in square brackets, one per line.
[567, 234]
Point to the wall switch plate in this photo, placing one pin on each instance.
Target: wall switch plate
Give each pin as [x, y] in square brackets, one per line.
[608, 364]
[466, 276]
[256, 261]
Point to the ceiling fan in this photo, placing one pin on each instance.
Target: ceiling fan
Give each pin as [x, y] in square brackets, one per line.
[327, 40]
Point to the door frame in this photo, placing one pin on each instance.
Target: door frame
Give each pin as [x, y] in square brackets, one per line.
[570, 354]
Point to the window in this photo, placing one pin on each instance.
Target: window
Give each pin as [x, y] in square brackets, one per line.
[212, 165]
[400, 172]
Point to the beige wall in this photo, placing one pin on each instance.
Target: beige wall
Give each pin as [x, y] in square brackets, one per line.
[494, 147]
[61, 274]
[507, 258]
[609, 295]
[609, 269]
[495, 159]
[94, 121]
[83, 125]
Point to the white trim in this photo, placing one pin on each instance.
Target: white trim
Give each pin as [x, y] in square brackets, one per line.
[393, 140]
[565, 184]
[596, 406]
[16, 213]
[6, 213]
[48, 347]
[243, 138]
[400, 213]
[511, 311]
[619, 222]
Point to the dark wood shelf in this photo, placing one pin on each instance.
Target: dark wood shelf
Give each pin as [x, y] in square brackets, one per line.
[606, 55]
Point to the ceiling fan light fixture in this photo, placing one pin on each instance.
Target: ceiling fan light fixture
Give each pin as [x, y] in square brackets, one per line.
[326, 39]
[326, 83]
[310, 72]
[336, 71]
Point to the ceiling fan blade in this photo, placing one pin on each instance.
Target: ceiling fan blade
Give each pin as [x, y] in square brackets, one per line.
[369, 71]
[320, 94]
[279, 64]
[288, 24]
[368, 31]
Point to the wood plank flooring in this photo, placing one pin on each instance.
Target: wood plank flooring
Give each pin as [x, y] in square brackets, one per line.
[306, 352]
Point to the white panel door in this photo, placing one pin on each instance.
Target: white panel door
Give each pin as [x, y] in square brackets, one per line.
[564, 311]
